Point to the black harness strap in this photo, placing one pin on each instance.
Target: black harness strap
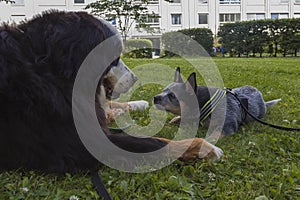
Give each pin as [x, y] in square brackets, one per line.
[99, 186]
[211, 104]
[229, 91]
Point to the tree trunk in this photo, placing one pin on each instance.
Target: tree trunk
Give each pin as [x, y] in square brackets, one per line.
[125, 38]
[276, 49]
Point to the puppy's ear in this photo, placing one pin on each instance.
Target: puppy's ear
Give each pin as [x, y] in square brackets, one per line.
[177, 77]
[191, 83]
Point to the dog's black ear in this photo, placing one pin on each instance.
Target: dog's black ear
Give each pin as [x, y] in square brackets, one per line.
[177, 77]
[191, 83]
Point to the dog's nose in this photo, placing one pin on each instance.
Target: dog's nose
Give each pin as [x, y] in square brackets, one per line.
[157, 99]
[134, 78]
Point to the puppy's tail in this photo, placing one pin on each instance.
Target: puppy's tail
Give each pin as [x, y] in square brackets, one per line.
[272, 103]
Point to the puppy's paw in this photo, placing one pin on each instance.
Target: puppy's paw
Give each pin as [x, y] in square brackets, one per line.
[138, 105]
[175, 120]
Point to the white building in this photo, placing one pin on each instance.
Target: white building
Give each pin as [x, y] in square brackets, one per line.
[180, 14]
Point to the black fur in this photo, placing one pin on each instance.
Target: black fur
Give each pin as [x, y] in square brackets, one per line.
[39, 60]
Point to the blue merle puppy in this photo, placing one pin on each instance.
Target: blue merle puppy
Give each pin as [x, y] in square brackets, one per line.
[228, 114]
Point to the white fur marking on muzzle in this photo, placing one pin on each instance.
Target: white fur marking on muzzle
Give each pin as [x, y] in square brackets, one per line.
[125, 77]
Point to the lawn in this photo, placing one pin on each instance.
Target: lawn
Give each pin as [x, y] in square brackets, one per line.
[258, 161]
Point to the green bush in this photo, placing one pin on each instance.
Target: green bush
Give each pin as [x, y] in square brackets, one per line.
[261, 36]
[138, 48]
[174, 42]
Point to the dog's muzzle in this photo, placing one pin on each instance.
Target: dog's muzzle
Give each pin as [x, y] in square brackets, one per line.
[123, 85]
[118, 80]
[157, 101]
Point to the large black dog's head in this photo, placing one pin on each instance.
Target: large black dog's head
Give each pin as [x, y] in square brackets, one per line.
[176, 94]
[64, 39]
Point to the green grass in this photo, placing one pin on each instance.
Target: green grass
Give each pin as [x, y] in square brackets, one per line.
[258, 160]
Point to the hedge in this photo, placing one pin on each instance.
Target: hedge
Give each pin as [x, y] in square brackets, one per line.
[176, 43]
[138, 48]
[261, 36]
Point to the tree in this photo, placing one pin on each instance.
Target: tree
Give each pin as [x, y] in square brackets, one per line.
[125, 13]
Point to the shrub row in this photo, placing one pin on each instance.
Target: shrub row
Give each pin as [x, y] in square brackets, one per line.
[261, 36]
[174, 42]
[138, 48]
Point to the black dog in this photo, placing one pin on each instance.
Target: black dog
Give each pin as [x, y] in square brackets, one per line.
[39, 61]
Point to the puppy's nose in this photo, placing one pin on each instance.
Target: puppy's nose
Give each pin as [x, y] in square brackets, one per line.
[134, 78]
[157, 99]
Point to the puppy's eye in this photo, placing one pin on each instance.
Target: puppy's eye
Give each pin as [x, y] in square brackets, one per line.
[115, 62]
[172, 95]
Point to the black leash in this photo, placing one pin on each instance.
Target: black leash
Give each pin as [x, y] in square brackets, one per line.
[99, 186]
[257, 119]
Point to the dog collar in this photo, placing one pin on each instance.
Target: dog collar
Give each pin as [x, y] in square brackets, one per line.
[211, 104]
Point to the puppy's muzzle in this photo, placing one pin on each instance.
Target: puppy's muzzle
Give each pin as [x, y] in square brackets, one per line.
[158, 102]
[157, 99]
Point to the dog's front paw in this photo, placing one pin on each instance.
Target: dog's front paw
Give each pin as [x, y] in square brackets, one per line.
[138, 105]
[201, 149]
[210, 151]
[112, 114]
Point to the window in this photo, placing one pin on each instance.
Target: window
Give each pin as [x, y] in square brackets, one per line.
[112, 19]
[113, 22]
[203, 1]
[297, 1]
[78, 1]
[279, 15]
[175, 1]
[274, 16]
[284, 1]
[230, 1]
[297, 15]
[230, 17]
[176, 19]
[51, 3]
[203, 18]
[255, 16]
[153, 21]
[153, 2]
[18, 3]
[17, 18]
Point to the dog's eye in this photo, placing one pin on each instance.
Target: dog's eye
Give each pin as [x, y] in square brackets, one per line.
[115, 62]
[171, 95]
